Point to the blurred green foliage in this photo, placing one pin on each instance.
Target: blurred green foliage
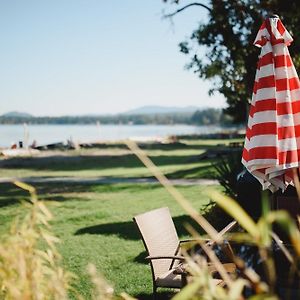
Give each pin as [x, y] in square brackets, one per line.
[228, 35]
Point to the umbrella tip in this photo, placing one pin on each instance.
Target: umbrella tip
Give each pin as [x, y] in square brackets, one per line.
[273, 16]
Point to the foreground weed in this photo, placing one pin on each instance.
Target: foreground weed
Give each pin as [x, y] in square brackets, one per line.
[26, 272]
[29, 273]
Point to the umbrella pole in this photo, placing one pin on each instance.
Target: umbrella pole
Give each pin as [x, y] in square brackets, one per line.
[296, 181]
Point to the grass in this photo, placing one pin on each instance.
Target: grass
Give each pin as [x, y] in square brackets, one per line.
[199, 143]
[94, 222]
[178, 161]
[99, 169]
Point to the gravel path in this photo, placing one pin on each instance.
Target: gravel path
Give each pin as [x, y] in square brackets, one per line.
[106, 180]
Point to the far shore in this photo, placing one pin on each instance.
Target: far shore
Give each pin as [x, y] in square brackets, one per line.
[171, 139]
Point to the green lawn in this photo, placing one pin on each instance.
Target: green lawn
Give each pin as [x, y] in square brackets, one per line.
[175, 161]
[94, 222]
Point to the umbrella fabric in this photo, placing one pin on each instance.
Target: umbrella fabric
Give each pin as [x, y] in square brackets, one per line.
[272, 143]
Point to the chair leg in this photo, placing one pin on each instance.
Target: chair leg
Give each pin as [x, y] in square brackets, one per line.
[154, 291]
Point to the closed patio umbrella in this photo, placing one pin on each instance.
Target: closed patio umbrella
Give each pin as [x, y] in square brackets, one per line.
[272, 143]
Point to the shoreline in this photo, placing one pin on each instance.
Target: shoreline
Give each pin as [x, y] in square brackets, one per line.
[168, 139]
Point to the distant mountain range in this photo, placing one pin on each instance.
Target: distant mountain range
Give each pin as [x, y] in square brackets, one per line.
[17, 114]
[155, 109]
[140, 116]
[144, 110]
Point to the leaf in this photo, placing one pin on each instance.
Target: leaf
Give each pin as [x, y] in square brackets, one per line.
[236, 289]
[288, 225]
[45, 210]
[25, 186]
[239, 237]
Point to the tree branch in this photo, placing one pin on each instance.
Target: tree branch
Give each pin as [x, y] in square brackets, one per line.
[187, 6]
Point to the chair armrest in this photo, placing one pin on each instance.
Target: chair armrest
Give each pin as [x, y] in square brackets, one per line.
[227, 228]
[229, 267]
[210, 242]
[166, 257]
[194, 240]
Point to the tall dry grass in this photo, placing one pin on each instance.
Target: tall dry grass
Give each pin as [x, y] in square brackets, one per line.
[30, 265]
[26, 271]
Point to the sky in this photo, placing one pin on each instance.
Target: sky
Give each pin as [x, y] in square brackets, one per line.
[76, 57]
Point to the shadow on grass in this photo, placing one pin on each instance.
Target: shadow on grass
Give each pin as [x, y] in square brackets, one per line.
[8, 202]
[11, 194]
[182, 146]
[9, 189]
[90, 162]
[70, 163]
[141, 258]
[161, 295]
[129, 231]
[205, 171]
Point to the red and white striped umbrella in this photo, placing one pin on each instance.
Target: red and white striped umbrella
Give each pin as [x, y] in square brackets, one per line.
[272, 143]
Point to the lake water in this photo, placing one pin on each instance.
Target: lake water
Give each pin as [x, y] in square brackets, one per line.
[46, 134]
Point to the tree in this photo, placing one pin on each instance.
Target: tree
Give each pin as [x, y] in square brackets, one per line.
[228, 35]
[209, 116]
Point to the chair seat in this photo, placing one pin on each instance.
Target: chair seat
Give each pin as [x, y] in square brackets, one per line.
[229, 267]
[169, 279]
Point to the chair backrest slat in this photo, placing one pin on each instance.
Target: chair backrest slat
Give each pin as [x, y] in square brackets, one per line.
[159, 236]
